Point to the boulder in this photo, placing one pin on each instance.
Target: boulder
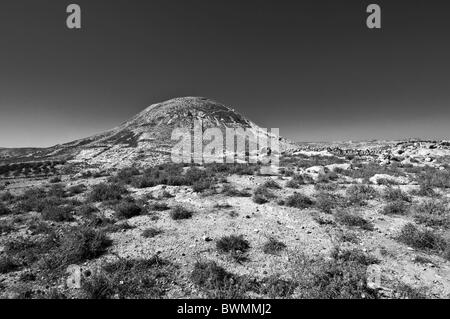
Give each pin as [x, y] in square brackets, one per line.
[394, 179]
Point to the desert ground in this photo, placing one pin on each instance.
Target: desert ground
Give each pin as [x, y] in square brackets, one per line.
[324, 224]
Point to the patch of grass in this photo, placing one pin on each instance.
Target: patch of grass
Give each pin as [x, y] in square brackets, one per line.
[125, 175]
[350, 219]
[231, 191]
[360, 194]
[326, 202]
[327, 177]
[353, 255]
[7, 197]
[299, 201]
[128, 209]
[348, 237]
[158, 207]
[262, 195]
[232, 244]
[397, 207]
[405, 291]
[422, 239]
[6, 227]
[326, 187]
[180, 212]
[271, 184]
[151, 232]
[341, 278]
[8, 264]
[87, 210]
[433, 213]
[57, 214]
[432, 177]
[273, 246]
[275, 287]
[56, 179]
[4, 210]
[114, 228]
[107, 192]
[395, 194]
[322, 221]
[77, 245]
[131, 279]
[216, 281]
[76, 189]
[37, 227]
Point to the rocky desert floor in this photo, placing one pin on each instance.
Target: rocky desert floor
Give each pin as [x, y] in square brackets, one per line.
[320, 226]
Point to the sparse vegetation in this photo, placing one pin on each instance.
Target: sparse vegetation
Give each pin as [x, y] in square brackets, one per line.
[107, 192]
[262, 195]
[397, 207]
[326, 202]
[360, 194]
[151, 232]
[128, 209]
[273, 246]
[299, 201]
[433, 213]
[395, 194]
[422, 239]
[353, 220]
[180, 212]
[343, 277]
[130, 279]
[235, 245]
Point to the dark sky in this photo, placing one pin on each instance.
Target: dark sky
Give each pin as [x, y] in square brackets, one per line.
[311, 68]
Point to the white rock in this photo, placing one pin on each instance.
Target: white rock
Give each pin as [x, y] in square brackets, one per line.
[398, 180]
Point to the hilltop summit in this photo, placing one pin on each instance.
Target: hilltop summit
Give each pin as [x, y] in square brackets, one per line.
[145, 139]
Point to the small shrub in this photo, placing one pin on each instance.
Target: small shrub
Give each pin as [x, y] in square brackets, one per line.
[216, 281]
[76, 189]
[56, 179]
[125, 175]
[421, 239]
[57, 214]
[299, 201]
[405, 291]
[262, 195]
[319, 278]
[107, 192]
[353, 255]
[352, 220]
[151, 232]
[128, 209]
[360, 194]
[87, 210]
[433, 213]
[78, 245]
[232, 244]
[272, 184]
[273, 246]
[6, 227]
[131, 279]
[348, 237]
[159, 207]
[327, 177]
[231, 191]
[326, 202]
[8, 264]
[395, 194]
[397, 207]
[180, 212]
[4, 210]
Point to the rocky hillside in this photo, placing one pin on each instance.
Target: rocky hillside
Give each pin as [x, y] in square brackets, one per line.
[146, 138]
